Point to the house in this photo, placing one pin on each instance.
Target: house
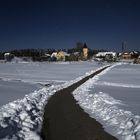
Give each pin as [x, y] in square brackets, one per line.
[126, 55]
[107, 56]
[61, 56]
[74, 56]
[129, 55]
[8, 56]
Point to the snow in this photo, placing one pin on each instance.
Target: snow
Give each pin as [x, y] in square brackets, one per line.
[122, 82]
[57, 72]
[19, 79]
[12, 90]
[102, 54]
[112, 97]
[22, 118]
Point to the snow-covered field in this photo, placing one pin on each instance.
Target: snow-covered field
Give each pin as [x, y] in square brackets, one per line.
[57, 72]
[18, 79]
[113, 98]
[22, 118]
[12, 90]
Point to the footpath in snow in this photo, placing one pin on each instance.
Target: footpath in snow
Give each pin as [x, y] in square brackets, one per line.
[64, 119]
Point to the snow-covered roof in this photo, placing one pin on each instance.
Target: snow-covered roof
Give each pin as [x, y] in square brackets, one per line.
[134, 52]
[120, 54]
[126, 53]
[105, 53]
[6, 54]
[54, 54]
[46, 54]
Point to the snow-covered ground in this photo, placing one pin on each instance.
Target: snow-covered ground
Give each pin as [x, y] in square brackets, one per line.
[113, 98]
[18, 79]
[12, 90]
[22, 118]
[57, 72]
[122, 83]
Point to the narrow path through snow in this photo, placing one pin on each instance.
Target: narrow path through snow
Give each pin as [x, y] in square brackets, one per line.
[64, 119]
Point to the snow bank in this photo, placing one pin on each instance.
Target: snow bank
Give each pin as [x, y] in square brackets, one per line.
[121, 123]
[22, 119]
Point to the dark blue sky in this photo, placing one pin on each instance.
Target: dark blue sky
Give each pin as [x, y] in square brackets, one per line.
[102, 24]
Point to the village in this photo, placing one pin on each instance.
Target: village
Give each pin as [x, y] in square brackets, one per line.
[80, 53]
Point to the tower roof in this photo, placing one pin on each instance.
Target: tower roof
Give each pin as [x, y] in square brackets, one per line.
[85, 45]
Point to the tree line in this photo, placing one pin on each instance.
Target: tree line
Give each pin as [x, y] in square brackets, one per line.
[37, 54]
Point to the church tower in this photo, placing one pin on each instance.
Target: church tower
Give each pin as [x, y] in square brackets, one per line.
[85, 51]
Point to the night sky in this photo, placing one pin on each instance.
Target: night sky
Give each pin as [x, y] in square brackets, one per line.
[102, 24]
